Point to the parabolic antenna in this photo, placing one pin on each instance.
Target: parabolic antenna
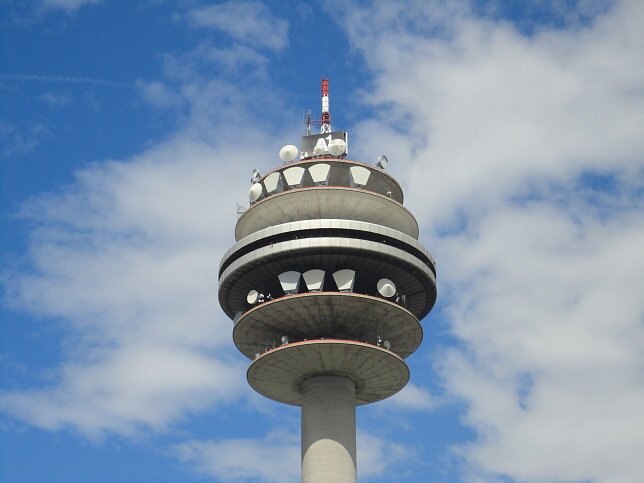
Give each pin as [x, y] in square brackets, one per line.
[344, 279]
[320, 173]
[293, 176]
[337, 147]
[255, 192]
[273, 182]
[382, 161]
[252, 297]
[288, 153]
[314, 279]
[386, 287]
[358, 176]
[290, 282]
[320, 147]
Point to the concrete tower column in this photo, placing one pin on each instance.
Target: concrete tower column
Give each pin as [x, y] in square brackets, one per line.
[328, 430]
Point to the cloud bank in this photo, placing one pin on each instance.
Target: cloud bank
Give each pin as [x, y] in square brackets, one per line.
[522, 158]
[124, 264]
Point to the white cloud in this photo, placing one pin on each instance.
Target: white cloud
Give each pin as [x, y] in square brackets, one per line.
[552, 318]
[56, 100]
[128, 258]
[19, 139]
[522, 158]
[159, 94]
[69, 6]
[274, 459]
[378, 457]
[529, 109]
[235, 60]
[128, 388]
[251, 23]
[125, 261]
[414, 397]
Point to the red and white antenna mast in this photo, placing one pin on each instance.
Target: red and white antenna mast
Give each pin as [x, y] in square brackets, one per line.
[326, 116]
[328, 143]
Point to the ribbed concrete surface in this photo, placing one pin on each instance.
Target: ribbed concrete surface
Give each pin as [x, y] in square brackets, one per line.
[376, 372]
[259, 268]
[328, 430]
[342, 315]
[326, 202]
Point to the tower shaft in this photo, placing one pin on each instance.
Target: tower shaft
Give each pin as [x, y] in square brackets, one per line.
[328, 430]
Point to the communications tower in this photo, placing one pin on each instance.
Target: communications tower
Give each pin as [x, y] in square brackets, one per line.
[326, 285]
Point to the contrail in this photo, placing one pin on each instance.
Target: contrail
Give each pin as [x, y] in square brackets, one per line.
[64, 79]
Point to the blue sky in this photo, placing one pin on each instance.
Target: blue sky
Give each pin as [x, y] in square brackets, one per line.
[128, 133]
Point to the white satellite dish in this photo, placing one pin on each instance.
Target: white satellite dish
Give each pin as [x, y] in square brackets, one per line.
[314, 279]
[288, 153]
[337, 147]
[320, 173]
[358, 176]
[256, 176]
[290, 282]
[320, 147]
[386, 287]
[382, 161]
[255, 192]
[273, 182]
[252, 297]
[293, 176]
[344, 279]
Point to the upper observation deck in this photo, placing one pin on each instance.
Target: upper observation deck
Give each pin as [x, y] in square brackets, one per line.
[326, 188]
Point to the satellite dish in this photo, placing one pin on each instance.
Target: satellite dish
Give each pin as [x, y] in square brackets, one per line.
[293, 176]
[290, 282]
[320, 147]
[387, 345]
[314, 279]
[256, 176]
[382, 161]
[320, 173]
[358, 176]
[252, 297]
[255, 192]
[337, 147]
[386, 287]
[288, 153]
[344, 279]
[273, 182]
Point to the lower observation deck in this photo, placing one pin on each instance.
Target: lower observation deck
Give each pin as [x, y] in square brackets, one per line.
[376, 372]
[340, 315]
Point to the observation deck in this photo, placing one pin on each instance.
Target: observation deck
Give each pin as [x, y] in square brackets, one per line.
[344, 189]
[327, 278]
